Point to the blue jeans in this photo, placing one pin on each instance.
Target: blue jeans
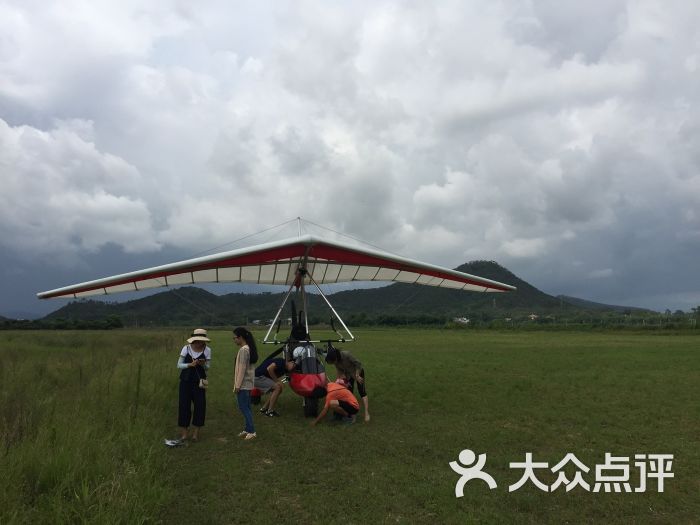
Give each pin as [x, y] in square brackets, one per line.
[243, 398]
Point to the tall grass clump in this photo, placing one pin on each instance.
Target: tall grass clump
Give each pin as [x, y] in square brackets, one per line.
[81, 424]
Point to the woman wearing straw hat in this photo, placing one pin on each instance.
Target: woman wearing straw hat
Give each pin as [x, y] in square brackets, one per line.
[193, 364]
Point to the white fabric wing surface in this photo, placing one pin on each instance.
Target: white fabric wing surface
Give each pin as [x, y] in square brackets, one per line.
[326, 262]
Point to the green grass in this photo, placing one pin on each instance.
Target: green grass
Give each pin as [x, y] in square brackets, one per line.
[81, 434]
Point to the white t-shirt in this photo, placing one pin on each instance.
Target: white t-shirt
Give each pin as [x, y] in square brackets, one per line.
[187, 349]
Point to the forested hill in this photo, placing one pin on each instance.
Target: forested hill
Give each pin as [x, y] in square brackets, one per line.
[414, 299]
[590, 305]
[194, 306]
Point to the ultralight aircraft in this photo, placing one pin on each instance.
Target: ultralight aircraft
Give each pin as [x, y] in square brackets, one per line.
[298, 263]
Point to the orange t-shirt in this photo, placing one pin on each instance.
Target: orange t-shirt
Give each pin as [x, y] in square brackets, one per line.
[337, 392]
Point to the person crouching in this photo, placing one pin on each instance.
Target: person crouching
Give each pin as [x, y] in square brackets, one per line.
[341, 401]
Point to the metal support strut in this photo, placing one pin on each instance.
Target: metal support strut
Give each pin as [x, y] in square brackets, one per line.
[302, 274]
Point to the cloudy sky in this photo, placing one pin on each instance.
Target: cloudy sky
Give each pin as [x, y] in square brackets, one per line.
[560, 139]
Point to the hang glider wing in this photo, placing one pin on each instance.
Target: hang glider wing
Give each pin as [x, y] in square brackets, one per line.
[277, 263]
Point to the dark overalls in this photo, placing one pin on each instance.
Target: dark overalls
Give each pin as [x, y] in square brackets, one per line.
[190, 394]
[361, 387]
[350, 378]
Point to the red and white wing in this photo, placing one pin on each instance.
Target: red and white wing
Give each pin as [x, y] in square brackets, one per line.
[326, 262]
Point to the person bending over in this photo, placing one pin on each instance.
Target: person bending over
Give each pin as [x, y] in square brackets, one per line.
[268, 378]
[349, 368]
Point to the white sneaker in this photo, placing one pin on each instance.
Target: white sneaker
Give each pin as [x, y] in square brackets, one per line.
[251, 435]
[242, 434]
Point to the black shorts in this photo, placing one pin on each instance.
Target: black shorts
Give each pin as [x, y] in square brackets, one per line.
[351, 410]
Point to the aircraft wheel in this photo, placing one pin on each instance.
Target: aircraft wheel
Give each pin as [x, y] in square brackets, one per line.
[310, 407]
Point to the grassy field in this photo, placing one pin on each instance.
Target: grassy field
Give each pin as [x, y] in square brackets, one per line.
[83, 416]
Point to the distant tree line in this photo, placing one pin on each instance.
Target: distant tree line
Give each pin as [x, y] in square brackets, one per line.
[482, 319]
[109, 323]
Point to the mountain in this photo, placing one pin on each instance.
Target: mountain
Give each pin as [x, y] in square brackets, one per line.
[412, 299]
[195, 306]
[18, 314]
[181, 306]
[590, 305]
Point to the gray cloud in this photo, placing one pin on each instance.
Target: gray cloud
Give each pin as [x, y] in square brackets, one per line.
[62, 196]
[560, 139]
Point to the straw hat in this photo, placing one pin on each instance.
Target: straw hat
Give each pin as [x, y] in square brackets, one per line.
[200, 334]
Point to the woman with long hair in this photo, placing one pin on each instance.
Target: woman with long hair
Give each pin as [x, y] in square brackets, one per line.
[244, 377]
